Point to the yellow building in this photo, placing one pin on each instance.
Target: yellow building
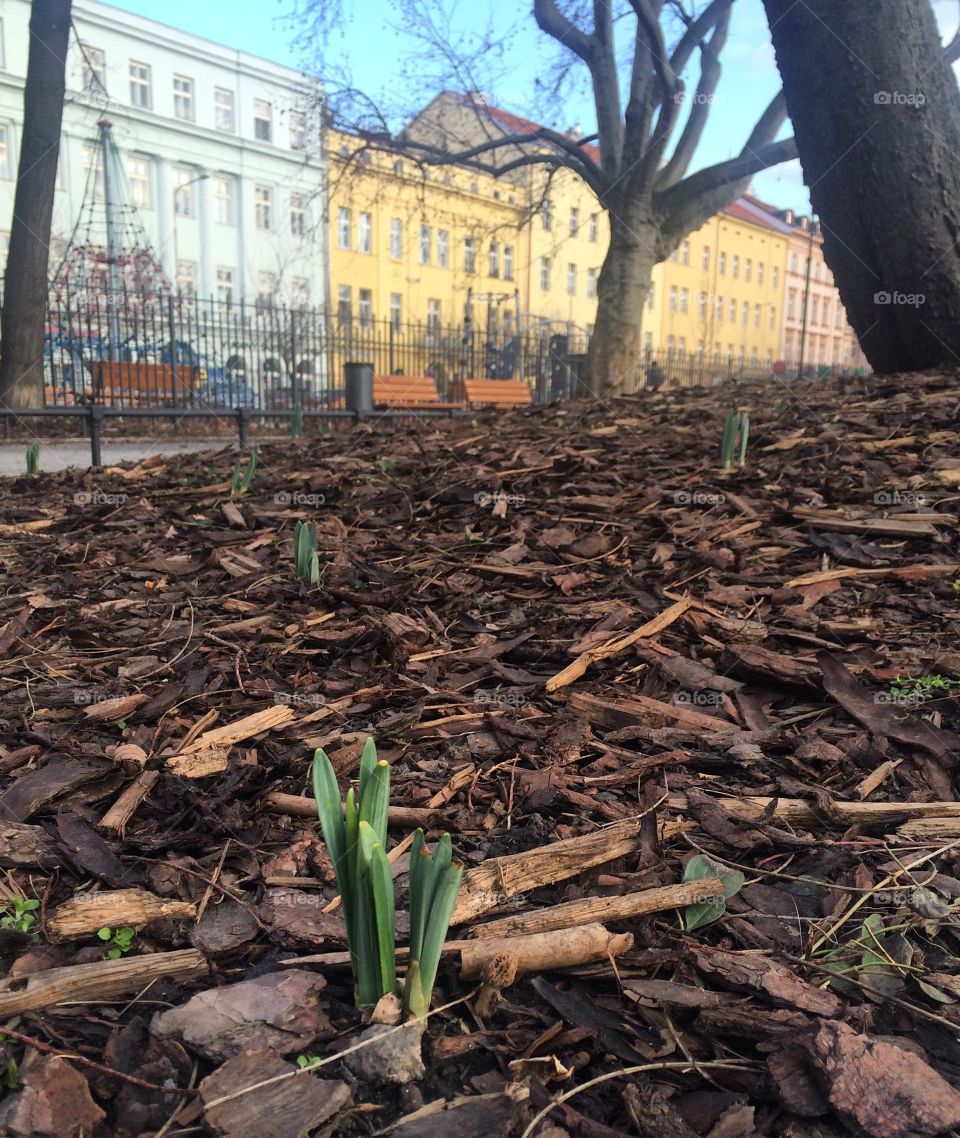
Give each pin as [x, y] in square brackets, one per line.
[719, 298]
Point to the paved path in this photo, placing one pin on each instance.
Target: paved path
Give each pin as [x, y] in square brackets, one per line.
[60, 455]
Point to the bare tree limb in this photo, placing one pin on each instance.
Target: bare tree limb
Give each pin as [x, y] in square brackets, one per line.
[710, 72]
[555, 24]
[696, 31]
[649, 20]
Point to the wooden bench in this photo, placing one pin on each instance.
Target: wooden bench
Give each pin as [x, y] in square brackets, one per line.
[58, 396]
[419, 391]
[141, 384]
[497, 393]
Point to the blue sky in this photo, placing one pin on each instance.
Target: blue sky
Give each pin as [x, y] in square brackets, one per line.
[377, 54]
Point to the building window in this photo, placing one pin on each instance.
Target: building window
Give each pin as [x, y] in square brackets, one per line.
[469, 255]
[685, 253]
[545, 273]
[546, 215]
[94, 70]
[365, 233]
[223, 200]
[343, 228]
[398, 167]
[298, 130]
[747, 269]
[674, 294]
[263, 206]
[187, 278]
[426, 238]
[684, 301]
[396, 238]
[443, 248]
[396, 310]
[225, 285]
[705, 258]
[671, 347]
[494, 259]
[183, 98]
[682, 349]
[594, 230]
[140, 85]
[760, 268]
[591, 283]
[650, 297]
[298, 215]
[791, 304]
[648, 344]
[718, 308]
[571, 279]
[223, 116]
[746, 313]
[508, 262]
[735, 266]
[140, 182]
[344, 304]
[365, 306]
[756, 316]
[722, 265]
[433, 317]
[266, 289]
[773, 317]
[794, 263]
[262, 120]
[775, 276]
[815, 310]
[733, 311]
[702, 306]
[826, 311]
[574, 221]
[184, 187]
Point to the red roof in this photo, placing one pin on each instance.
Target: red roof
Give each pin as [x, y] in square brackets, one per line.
[514, 124]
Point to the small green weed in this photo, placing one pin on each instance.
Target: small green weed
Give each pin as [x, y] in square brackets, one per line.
[120, 940]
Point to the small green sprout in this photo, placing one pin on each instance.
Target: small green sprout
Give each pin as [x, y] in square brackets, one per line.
[307, 1060]
[19, 914]
[296, 424]
[918, 689]
[702, 913]
[240, 483]
[33, 459]
[387, 465]
[736, 433]
[306, 562]
[120, 940]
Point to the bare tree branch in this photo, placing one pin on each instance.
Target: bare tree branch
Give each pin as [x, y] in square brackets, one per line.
[696, 31]
[649, 20]
[710, 72]
[552, 21]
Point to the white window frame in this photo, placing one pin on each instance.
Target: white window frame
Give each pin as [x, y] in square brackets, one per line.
[396, 238]
[140, 177]
[262, 114]
[426, 244]
[443, 248]
[263, 206]
[224, 284]
[142, 84]
[93, 79]
[224, 110]
[508, 262]
[344, 225]
[365, 232]
[184, 102]
[546, 267]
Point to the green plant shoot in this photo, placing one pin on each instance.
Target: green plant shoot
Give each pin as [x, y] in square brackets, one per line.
[33, 459]
[296, 424]
[305, 552]
[736, 434]
[240, 483]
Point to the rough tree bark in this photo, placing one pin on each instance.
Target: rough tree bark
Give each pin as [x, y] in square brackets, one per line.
[876, 111]
[25, 283]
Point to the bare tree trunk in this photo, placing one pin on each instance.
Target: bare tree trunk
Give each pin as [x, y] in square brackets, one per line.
[25, 284]
[876, 109]
[615, 359]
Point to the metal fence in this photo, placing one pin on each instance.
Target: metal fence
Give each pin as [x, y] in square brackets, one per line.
[177, 350]
[131, 351]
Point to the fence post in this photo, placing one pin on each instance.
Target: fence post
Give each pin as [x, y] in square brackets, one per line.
[358, 384]
[95, 417]
[243, 420]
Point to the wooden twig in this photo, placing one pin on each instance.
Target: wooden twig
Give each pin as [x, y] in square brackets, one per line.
[114, 908]
[804, 813]
[589, 909]
[562, 948]
[301, 806]
[102, 980]
[120, 813]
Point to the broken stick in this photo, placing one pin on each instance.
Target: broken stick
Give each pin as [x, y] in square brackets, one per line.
[562, 948]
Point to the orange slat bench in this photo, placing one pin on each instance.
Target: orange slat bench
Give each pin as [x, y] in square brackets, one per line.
[408, 391]
[497, 392]
[141, 384]
[58, 396]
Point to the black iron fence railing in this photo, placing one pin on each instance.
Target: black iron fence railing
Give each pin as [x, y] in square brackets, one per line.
[128, 351]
